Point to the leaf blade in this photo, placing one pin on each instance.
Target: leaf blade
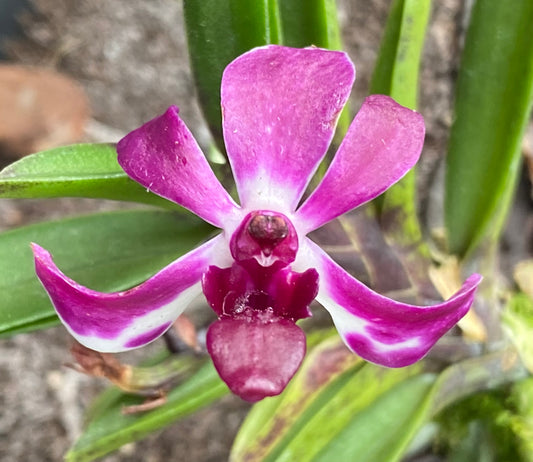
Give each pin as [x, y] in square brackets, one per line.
[319, 438]
[271, 424]
[80, 170]
[396, 74]
[307, 23]
[109, 429]
[484, 148]
[108, 251]
[217, 32]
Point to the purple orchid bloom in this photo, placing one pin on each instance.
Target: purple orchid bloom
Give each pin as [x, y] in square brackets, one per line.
[280, 107]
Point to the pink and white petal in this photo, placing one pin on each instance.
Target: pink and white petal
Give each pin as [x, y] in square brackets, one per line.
[379, 329]
[280, 107]
[163, 156]
[383, 143]
[112, 322]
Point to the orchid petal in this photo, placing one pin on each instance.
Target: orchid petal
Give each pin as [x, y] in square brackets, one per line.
[256, 358]
[384, 141]
[163, 156]
[379, 329]
[120, 321]
[280, 108]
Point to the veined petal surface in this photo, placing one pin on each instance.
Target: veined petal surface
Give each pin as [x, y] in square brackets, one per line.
[383, 143]
[280, 107]
[112, 322]
[379, 329]
[163, 156]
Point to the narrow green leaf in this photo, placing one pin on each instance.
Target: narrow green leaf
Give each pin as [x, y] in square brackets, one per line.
[109, 429]
[397, 66]
[396, 417]
[396, 74]
[340, 418]
[318, 405]
[80, 170]
[273, 422]
[217, 32]
[492, 105]
[381, 80]
[108, 252]
[392, 403]
[310, 22]
[365, 406]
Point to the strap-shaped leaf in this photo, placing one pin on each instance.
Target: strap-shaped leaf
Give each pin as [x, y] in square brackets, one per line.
[217, 32]
[220, 30]
[275, 421]
[327, 395]
[310, 22]
[398, 62]
[80, 170]
[396, 74]
[492, 104]
[108, 428]
[107, 252]
[337, 410]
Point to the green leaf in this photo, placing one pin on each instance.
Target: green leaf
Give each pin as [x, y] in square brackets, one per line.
[310, 22]
[395, 414]
[273, 422]
[373, 410]
[396, 74]
[80, 170]
[107, 252]
[394, 404]
[397, 66]
[217, 32]
[326, 402]
[109, 429]
[492, 105]
[333, 408]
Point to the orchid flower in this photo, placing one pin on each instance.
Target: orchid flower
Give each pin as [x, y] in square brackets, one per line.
[260, 273]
